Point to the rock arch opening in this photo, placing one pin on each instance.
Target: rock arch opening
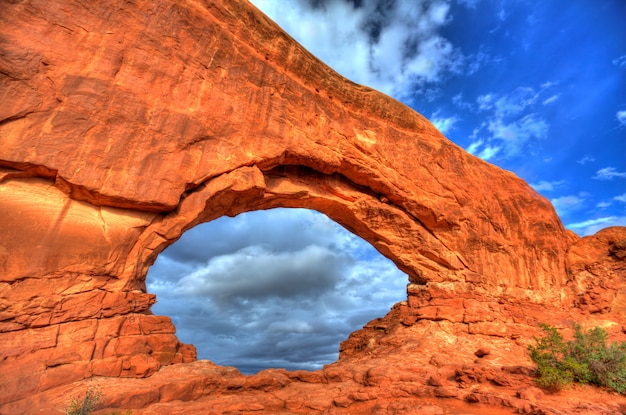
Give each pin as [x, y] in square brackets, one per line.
[272, 288]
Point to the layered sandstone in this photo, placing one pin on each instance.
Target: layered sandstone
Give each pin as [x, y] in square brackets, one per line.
[124, 124]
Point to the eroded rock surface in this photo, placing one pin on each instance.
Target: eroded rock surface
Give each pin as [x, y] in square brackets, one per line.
[123, 124]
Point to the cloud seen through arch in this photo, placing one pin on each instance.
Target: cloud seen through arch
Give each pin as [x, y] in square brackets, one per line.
[246, 298]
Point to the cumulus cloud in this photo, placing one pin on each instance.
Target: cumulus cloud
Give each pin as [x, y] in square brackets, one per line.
[483, 150]
[551, 99]
[246, 231]
[510, 104]
[609, 173]
[388, 45]
[545, 186]
[256, 273]
[443, 124]
[460, 102]
[586, 159]
[513, 126]
[567, 204]
[621, 117]
[489, 152]
[515, 135]
[621, 61]
[591, 226]
[276, 288]
[509, 139]
[471, 4]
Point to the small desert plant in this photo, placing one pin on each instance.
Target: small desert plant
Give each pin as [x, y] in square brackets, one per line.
[584, 359]
[86, 405]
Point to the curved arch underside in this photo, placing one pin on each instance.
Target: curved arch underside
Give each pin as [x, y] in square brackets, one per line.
[124, 124]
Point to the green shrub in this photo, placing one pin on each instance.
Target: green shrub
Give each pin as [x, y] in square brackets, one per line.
[585, 359]
[86, 405]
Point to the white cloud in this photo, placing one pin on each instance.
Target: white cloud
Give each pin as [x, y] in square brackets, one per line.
[506, 105]
[485, 102]
[603, 205]
[586, 159]
[476, 61]
[591, 226]
[517, 101]
[514, 136]
[471, 4]
[545, 186]
[609, 173]
[460, 102]
[513, 123]
[566, 204]
[258, 273]
[621, 61]
[620, 198]
[549, 84]
[390, 52]
[502, 15]
[291, 326]
[489, 152]
[621, 117]
[443, 124]
[508, 139]
[473, 147]
[550, 100]
[482, 150]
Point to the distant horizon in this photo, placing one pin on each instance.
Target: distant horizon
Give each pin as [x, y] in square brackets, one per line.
[534, 88]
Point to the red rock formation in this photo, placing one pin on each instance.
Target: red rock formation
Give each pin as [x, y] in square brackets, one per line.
[596, 267]
[124, 124]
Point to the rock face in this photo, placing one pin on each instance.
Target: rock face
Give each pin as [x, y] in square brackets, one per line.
[123, 124]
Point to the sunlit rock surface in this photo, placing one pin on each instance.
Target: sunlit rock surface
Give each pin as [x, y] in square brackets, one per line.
[124, 124]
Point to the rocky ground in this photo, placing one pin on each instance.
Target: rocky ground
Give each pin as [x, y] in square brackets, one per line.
[431, 367]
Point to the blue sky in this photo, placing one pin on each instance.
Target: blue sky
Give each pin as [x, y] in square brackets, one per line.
[537, 88]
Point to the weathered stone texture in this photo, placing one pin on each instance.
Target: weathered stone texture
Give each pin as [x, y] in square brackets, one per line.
[123, 124]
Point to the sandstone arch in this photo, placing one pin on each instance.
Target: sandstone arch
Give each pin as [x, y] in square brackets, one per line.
[124, 124]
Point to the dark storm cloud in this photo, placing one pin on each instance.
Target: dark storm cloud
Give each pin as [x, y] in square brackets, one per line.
[392, 46]
[284, 332]
[255, 273]
[377, 13]
[296, 345]
[278, 288]
[225, 236]
[322, 4]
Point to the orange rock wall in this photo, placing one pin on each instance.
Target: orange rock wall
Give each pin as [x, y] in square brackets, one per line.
[140, 106]
[124, 124]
